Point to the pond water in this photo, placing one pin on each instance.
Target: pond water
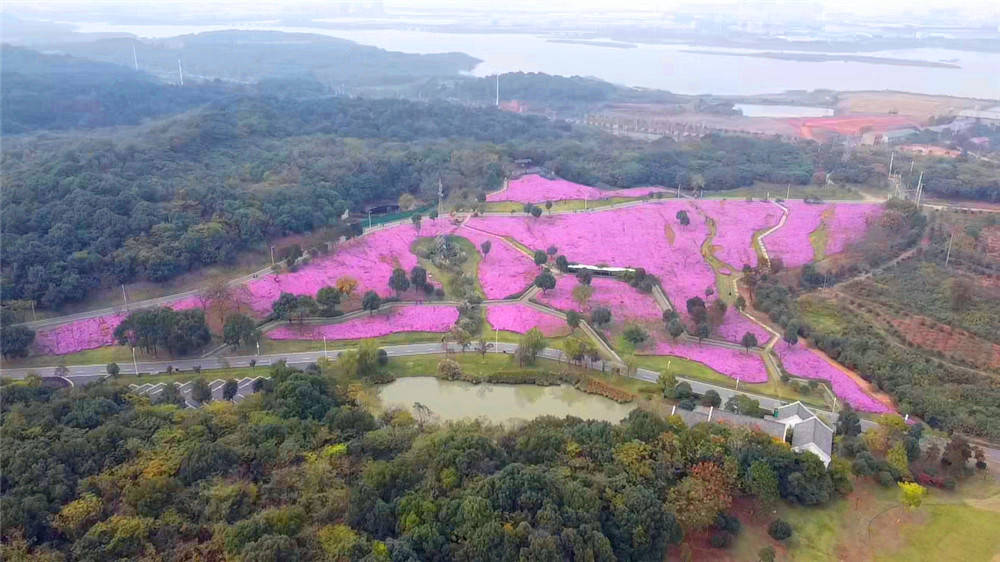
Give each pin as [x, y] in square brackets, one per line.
[765, 110]
[498, 403]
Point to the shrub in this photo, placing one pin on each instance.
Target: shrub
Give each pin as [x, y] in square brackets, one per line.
[382, 358]
[779, 530]
[721, 539]
[686, 404]
[885, 479]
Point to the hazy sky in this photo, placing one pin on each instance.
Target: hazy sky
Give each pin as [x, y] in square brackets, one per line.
[236, 9]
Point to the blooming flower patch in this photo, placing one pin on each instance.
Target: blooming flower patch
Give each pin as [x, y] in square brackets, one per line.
[533, 188]
[505, 270]
[429, 318]
[850, 221]
[91, 333]
[735, 224]
[80, 335]
[520, 318]
[624, 302]
[628, 237]
[801, 361]
[738, 364]
[791, 241]
[369, 259]
[734, 325]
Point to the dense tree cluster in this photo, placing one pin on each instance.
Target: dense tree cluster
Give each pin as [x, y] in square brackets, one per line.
[300, 471]
[946, 397]
[58, 92]
[177, 331]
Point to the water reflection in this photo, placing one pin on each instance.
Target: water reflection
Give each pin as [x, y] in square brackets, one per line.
[453, 400]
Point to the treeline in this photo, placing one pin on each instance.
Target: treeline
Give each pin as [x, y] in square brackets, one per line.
[301, 472]
[168, 198]
[40, 91]
[714, 163]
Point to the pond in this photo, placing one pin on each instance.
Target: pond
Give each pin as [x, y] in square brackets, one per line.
[764, 110]
[498, 403]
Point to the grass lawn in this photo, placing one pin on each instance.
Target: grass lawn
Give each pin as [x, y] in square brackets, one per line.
[185, 376]
[269, 346]
[760, 190]
[818, 238]
[700, 372]
[563, 206]
[959, 525]
[822, 314]
[102, 355]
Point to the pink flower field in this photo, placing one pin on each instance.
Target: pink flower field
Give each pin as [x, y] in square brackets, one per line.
[801, 361]
[370, 259]
[624, 302]
[81, 335]
[520, 318]
[850, 221]
[505, 270]
[735, 224]
[747, 367]
[536, 189]
[734, 325]
[791, 241]
[429, 318]
[630, 237]
[92, 333]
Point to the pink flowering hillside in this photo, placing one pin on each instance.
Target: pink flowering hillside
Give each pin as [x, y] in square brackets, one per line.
[505, 270]
[520, 318]
[747, 367]
[735, 224]
[91, 333]
[430, 318]
[801, 361]
[624, 302]
[734, 325]
[536, 189]
[80, 335]
[629, 237]
[369, 259]
[791, 241]
[850, 221]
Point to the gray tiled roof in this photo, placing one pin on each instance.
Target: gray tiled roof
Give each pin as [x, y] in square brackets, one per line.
[813, 431]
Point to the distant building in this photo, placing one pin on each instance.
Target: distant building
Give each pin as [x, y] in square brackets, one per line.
[874, 138]
[513, 106]
[989, 116]
[929, 150]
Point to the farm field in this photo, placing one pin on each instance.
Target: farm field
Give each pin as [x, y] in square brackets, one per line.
[694, 258]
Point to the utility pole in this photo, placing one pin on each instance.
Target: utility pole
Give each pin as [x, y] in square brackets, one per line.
[135, 59]
[788, 192]
[125, 296]
[947, 256]
[180, 71]
[498, 90]
[33, 317]
[920, 188]
[272, 255]
[325, 355]
[369, 219]
[135, 365]
[891, 158]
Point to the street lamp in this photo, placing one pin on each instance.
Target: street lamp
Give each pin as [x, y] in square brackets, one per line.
[135, 365]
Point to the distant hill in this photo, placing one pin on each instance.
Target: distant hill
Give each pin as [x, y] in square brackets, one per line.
[249, 56]
[60, 92]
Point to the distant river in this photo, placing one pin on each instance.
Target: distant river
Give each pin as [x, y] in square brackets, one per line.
[455, 400]
[666, 67]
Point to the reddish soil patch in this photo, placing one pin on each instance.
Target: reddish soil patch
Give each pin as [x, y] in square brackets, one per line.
[927, 333]
[990, 237]
[850, 125]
